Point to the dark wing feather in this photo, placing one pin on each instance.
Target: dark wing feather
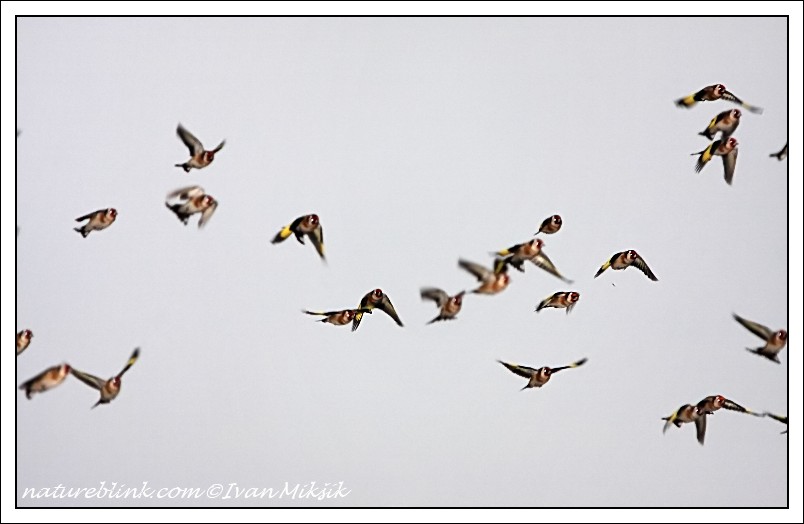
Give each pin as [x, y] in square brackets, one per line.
[522, 371]
[729, 163]
[131, 360]
[438, 295]
[640, 264]
[757, 329]
[386, 306]
[542, 261]
[90, 380]
[192, 143]
[317, 238]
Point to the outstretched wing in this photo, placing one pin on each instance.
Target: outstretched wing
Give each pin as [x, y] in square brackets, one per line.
[640, 264]
[731, 98]
[89, 215]
[700, 428]
[90, 380]
[219, 147]
[133, 358]
[757, 329]
[522, 371]
[729, 163]
[386, 306]
[192, 143]
[480, 272]
[542, 261]
[438, 295]
[573, 365]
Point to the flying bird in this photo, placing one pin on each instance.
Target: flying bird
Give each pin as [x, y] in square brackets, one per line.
[450, 305]
[709, 405]
[518, 254]
[491, 282]
[48, 379]
[725, 123]
[727, 149]
[109, 389]
[308, 225]
[683, 415]
[192, 200]
[715, 92]
[538, 377]
[780, 418]
[23, 340]
[781, 155]
[560, 299]
[626, 259]
[774, 340]
[98, 220]
[337, 318]
[550, 225]
[376, 299]
[199, 157]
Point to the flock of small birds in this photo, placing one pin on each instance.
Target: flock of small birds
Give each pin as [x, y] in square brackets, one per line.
[492, 278]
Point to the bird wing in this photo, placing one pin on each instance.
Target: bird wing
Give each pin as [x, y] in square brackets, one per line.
[386, 306]
[317, 238]
[438, 295]
[133, 358]
[192, 143]
[779, 418]
[729, 163]
[700, 428]
[207, 214]
[90, 380]
[89, 215]
[542, 261]
[522, 371]
[757, 329]
[573, 365]
[640, 264]
[544, 303]
[480, 272]
[219, 147]
[732, 98]
[185, 193]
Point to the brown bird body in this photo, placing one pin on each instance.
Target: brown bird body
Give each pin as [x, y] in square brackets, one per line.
[538, 377]
[23, 340]
[774, 340]
[192, 200]
[376, 299]
[624, 259]
[307, 225]
[199, 157]
[449, 306]
[48, 379]
[109, 389]
[337, 318]
[98, 220]
[560, 299]
[491, 282]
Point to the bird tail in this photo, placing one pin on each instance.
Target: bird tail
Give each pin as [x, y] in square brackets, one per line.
[81, 230]
[283, 234]
[184, 166]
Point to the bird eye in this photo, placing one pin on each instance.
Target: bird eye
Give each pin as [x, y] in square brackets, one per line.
[314, 219]
[737, 113]
[547, 371]
[574, 296]
[781, 334]
[721, 87]
[67, 368]
[378, 292]
[556, 219]
[28, 333]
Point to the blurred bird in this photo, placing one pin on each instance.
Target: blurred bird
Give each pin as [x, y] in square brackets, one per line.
[98, 220]
[450, 305]
[626, 259]
[337, 318]
[725, 123]
[491, 282]
[781, 155]
[560, 299]
[192, 200]
[517, 254]
[714, 92]
[683, 415]
[538, 377]
[774, 340]
[709, 405]
[376, 299]
[722, 148]
[48, 379]
[550, 225]
[23, 340]
[305, 225]
[199, 157]
[780, 418]
[109, 389]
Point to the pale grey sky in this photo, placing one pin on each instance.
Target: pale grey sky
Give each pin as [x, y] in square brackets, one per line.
[417, 141]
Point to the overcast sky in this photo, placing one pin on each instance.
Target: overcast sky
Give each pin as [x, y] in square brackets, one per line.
[417, 142]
